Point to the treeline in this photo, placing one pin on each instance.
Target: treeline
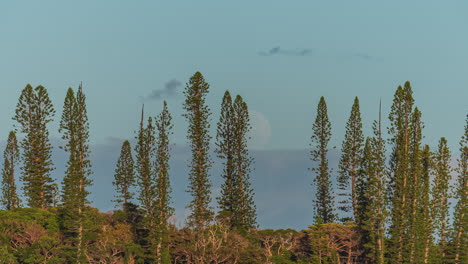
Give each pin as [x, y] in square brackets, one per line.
[390, 209]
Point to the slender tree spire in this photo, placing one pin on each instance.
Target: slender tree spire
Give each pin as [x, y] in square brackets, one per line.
[163, 208]
[74, 127]
[350, 159]
[321, 133]
[124, 177]
[198, 116]
[400, 132]
[441, 196]
[225, 151]
[426, 221]
[245, 210]
[460, 226]
[371, 197]
[34, 112]
[10, 199]
[415, 195]
[236, 200]
[144, 150]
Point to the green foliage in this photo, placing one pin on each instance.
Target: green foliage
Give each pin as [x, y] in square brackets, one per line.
[416, 195]
[236, 200]
[198, 117]
[334, 243]
[6, 256]
[9, 198]
[460, 226]
[416, 188]
[440, 198]
[399, 187]
[124, 177]
[244, 216]
[321, 133]
[425, 223]
[74, 127]
[33, 112]
[371, 194]
[145, 149]
[351, 155]
[162, 184]
[225, 151]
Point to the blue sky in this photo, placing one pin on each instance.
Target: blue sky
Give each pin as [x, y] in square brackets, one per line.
[281, 56]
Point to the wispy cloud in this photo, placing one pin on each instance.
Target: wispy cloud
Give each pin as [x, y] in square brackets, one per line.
[363, 56]
[285, 52]
[170, 89]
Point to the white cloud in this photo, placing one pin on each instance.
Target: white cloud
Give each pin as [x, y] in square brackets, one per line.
[260, 134]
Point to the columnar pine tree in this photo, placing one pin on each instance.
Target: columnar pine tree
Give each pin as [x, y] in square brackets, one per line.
[163, 208]
[145, 153]
[244, 216]
[371, 197]
[236, 200]
[144, 150]
[441, 196]
[365, 170]
[225, 151]
[426, 222]
[124, 177]
[34, 112]
[400, 132]
[74, 127]
[321, 133]
[197, 115]
[460, 223]
[415, 220]
[10, 199]
[350, 158]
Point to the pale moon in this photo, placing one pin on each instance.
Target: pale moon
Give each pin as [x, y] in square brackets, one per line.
[261, 131]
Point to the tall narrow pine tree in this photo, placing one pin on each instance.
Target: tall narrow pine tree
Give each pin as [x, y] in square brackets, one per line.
[74, 127]
[163, 208]
[371, 202]
[321, 133]
[225, 151]
[10, 199]
[426, 223]
[124, 177]
[350, 158]
[400, 133]
[34, 112]
[197, 115]
[460, 223]
[415, 234]
[144, 150]
[441, 196]
[244, 216]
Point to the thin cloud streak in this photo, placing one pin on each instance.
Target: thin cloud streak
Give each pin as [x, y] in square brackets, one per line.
[286, 52]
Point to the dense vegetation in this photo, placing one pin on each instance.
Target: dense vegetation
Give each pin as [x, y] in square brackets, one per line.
[390, 208]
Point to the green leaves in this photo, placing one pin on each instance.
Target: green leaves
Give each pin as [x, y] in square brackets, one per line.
[10, 199]
[351, 155]
[460, 227]
[236, 200]
[33, 112]
[74, 127]
[198, 116]
[321, 133]
[124, 177]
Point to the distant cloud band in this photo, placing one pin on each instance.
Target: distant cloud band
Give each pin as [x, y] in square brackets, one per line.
[285, 52]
